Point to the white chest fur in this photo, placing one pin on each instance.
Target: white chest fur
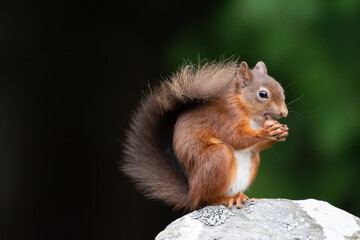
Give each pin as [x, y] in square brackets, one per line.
[244, 163]
[242, 179]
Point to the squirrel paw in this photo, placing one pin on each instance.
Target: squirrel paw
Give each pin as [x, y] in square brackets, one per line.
[242, 198]
[285, 132]
[237, 199]
[274, 131]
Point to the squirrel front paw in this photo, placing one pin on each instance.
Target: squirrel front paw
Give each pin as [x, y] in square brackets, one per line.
[274, 131]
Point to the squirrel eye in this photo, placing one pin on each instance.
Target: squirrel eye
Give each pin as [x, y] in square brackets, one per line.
[263, 94]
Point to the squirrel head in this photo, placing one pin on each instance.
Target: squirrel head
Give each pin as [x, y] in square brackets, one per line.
[262, 94]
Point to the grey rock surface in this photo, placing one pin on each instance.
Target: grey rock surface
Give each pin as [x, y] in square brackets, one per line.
[266, 219]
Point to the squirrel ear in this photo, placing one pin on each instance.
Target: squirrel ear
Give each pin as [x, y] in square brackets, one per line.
[260, 66]
[244, 74]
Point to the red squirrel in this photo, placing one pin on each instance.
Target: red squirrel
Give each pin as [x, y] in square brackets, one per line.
[195, 139]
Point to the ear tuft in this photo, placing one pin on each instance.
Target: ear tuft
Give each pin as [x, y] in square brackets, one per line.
[244, 74]
[260, 67]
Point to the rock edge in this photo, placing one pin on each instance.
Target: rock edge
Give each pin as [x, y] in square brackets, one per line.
[266, 219]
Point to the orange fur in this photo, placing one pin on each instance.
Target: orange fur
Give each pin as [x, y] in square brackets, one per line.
[202, 138]
[262, 146]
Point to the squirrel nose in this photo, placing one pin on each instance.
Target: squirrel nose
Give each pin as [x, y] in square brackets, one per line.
[284, 111]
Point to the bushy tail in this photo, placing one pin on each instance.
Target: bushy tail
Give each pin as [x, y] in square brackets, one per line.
[149, 155]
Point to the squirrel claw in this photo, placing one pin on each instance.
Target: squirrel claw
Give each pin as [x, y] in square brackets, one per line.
[241, 199]
[282, 136]
[231, 203]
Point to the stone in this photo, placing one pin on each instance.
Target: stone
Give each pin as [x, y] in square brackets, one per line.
[266, 219]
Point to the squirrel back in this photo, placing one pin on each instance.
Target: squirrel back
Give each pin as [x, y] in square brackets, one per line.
[150, 160]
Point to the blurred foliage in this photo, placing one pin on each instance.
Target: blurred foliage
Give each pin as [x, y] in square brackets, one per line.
[312, 48]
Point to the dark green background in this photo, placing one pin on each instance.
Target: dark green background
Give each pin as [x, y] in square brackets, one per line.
[71, 74]
[312, 49]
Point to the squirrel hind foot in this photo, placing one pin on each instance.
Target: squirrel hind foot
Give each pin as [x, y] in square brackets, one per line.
[238, 199]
